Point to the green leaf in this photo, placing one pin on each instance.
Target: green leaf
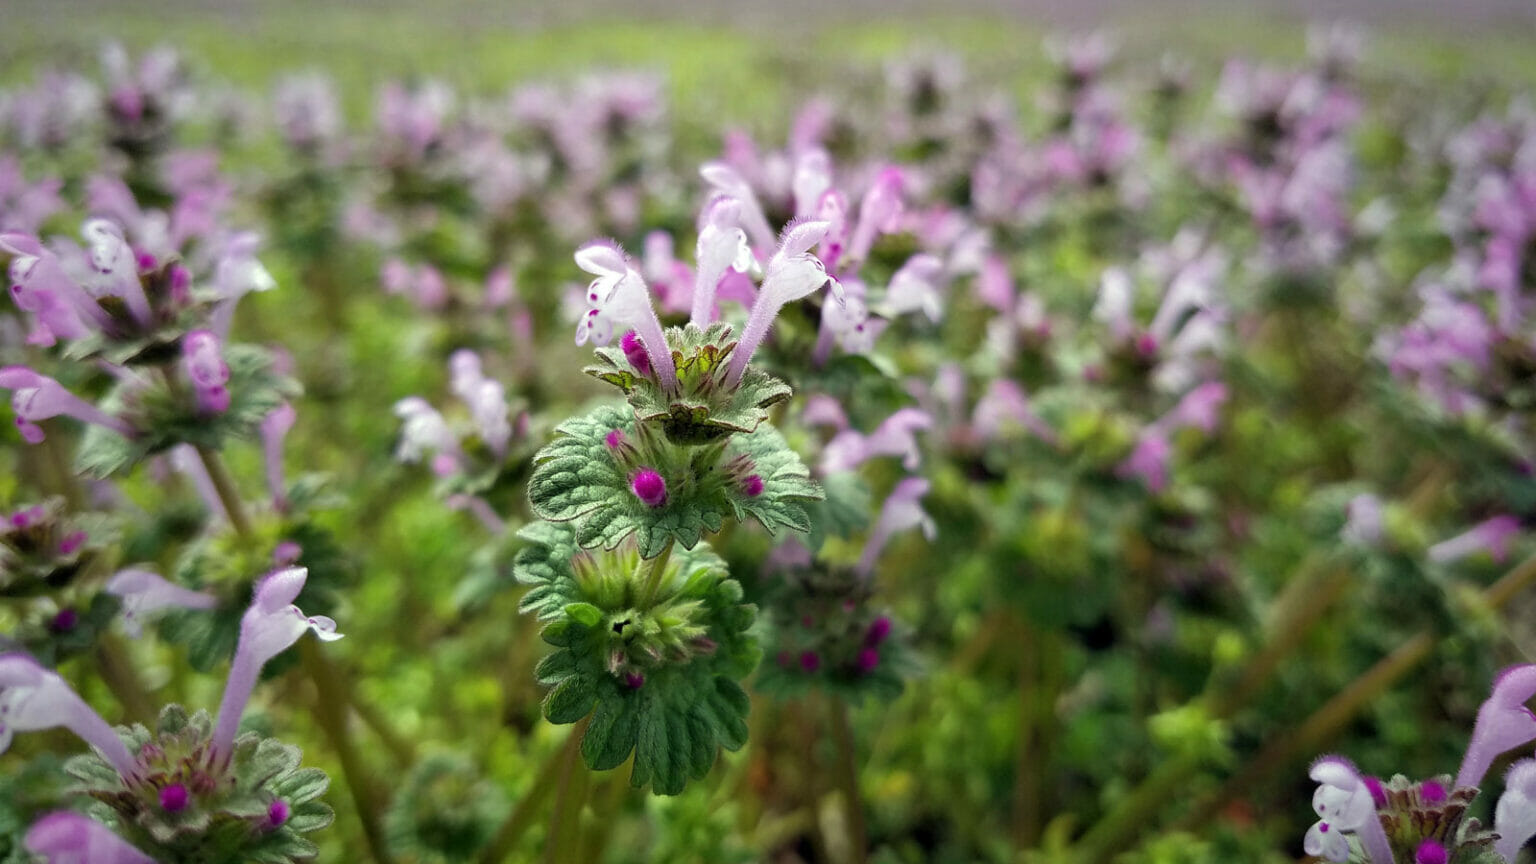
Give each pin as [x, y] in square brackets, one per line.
[305, 784]
[584, 614]
[570, 700]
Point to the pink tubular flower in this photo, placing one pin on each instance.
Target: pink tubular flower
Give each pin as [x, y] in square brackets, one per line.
[205, 367]
[37, 397]
[33, 698]
[722, 248]
[879, 212]
[903, 509]
[1503, 723]
[274, 428]
[1493, 535]
[649, 486]
[792, 273]
[143, 591]
[269, 627]
[915, 287]
[619, 297]
[727, 182]
[895, 436]
[68, 837]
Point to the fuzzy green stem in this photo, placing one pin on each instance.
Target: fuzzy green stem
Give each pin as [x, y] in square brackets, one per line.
[563, 845]
[847, 775]
[330, 711]
[656, 575]
[224, 485]
[121, 679]
[522, 815]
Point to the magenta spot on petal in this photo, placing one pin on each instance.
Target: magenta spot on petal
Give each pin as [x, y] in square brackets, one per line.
[1378, 794]
[277, 814]
[1430, 852]
[649, 487]
[810, 661]
[1432, 792]
[1322, 827]
[173, 798]
[752, 486]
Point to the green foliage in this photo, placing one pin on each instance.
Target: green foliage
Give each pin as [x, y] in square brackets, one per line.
[704, 409]
[227, 818]
[577, 478]
[655, 669]
[167, 416]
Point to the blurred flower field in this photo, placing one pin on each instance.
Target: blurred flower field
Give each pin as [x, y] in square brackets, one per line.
[434, 441]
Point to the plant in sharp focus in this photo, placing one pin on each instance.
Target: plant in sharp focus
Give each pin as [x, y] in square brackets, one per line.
[651, 633]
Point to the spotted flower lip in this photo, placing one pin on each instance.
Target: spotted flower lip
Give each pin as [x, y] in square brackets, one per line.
[1344, 803]
[617, 299]
[37, 397]
[792, 273]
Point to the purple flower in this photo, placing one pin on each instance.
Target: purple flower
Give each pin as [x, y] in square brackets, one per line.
[649, 486]
[1493, 535]
[67, 837]
[1514, 819]
[1343, 803]
[33, 698]
[722, 249]
[269, 627]
[902, 510]
[1363, 522]
[895, 436]
[634, 352]
[792, 273]
[274, 428]
[728, 183]
[142, 591]
[1005, 401]
[619, 297]
[423, 431]
[1503, 723]
[916, 286]
[37, 397]
[1149, 459]
[879, 212]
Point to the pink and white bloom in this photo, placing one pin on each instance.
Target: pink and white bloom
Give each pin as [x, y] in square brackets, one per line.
[619, 300]
[1344, 804]
[792, 273]
[722, 248]
[1503, 723]
[1492, 535]
[895, 436]
[33, 698]
[269, 627]
[1514, 818]
[903, 510]
[144, 591]
[69, 837]
[205, 367]
[37, 397]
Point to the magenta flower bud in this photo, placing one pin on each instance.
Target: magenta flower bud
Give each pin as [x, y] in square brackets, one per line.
[64, 621]
[1429, 852]
[173, 798]
[634, 680]
[752, 486]
[614, 439]
[1378, 793]
[146, 262]
[649, 487]
[878, 630]
[1432, 792]
[869, 658]
[634, 352]
[810, 661]
[286, 553]
[277, 814]
[71, 542]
